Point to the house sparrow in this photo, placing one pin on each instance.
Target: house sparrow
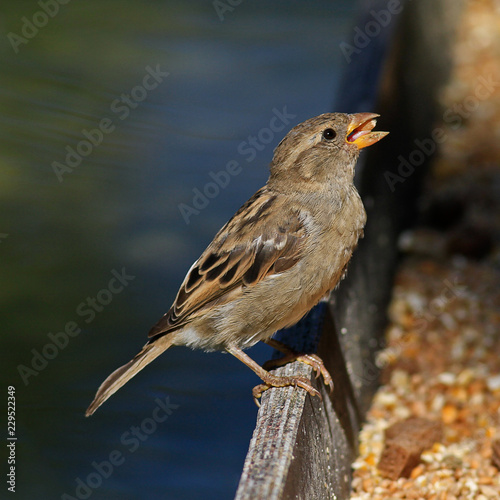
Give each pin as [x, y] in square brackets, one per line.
[286, 248]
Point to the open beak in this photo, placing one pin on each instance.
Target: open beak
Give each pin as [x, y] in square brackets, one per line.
[360, 129]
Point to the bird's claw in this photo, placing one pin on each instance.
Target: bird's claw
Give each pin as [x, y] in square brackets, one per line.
[275, 381]
[312, 360]
[319, 368]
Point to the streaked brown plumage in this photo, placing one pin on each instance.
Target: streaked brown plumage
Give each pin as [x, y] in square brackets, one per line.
[285, 249]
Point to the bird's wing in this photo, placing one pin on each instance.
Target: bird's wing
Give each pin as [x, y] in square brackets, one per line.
[255, 243]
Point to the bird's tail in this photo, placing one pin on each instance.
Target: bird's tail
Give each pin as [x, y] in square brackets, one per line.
[123, 374]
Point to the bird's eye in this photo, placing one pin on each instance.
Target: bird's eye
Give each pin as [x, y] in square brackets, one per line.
[329, 134]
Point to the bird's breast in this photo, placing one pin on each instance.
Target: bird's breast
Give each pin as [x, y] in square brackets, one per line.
[335, 232]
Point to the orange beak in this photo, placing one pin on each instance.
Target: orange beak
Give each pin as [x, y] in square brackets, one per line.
[360, 129]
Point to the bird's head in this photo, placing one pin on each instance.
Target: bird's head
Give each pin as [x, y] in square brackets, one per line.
[324, 148]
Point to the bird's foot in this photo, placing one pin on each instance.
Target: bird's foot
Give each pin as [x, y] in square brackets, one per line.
[271, 380]
[312, 360]
[275, 381]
